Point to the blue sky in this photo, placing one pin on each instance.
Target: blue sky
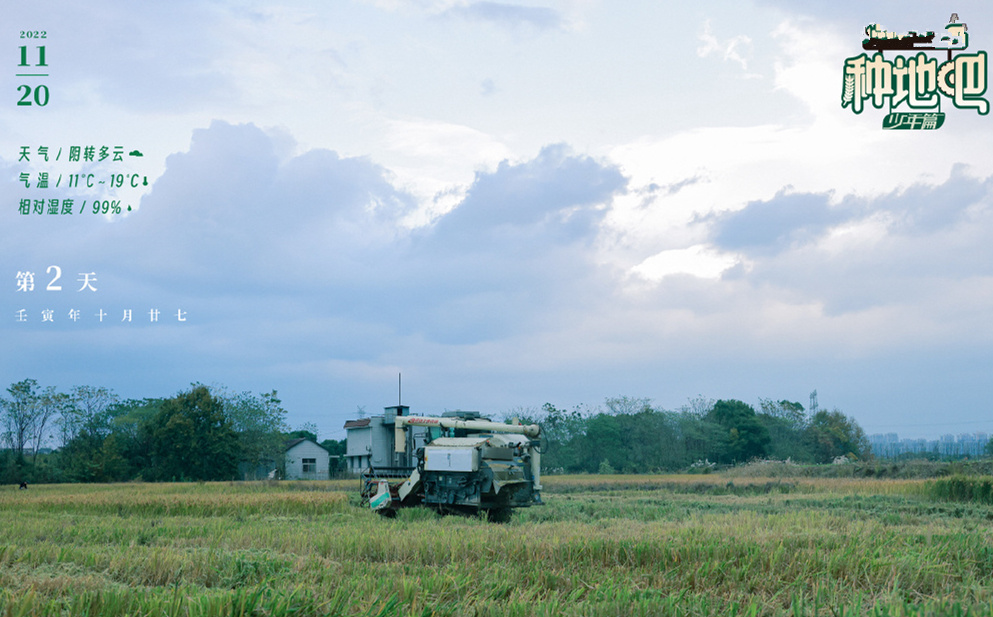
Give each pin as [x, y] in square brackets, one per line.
[510, 203]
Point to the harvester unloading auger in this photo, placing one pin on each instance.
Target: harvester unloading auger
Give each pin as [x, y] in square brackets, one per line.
[465, 465]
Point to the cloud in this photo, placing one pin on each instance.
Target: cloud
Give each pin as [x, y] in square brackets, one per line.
[777, 224]
[511, 15]
[699, 261]
[730, 50]
[230, 208]
[911, 14]
[517, 243]
[922, 209]
[791, 219]
[910, 250]
[299, 269]
[240, 235]
[162, 62]
[557, 191]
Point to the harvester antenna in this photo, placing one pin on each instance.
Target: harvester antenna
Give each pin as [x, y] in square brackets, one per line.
[399, 389]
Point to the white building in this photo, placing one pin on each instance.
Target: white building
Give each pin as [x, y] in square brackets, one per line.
[305, 460]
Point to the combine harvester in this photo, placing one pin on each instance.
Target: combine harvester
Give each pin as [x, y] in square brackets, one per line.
[458, 463]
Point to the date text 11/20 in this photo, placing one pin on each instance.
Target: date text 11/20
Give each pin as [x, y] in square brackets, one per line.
[37, 95]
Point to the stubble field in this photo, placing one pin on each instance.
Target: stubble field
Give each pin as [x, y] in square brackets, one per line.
[602, 545]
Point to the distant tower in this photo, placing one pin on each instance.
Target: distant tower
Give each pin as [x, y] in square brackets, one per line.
[813, 402]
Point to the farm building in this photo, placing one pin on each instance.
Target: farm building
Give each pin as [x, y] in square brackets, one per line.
[305, 460]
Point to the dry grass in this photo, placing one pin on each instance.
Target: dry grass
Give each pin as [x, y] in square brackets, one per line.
[679, 545]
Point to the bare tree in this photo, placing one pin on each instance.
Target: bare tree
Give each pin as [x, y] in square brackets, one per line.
[85, 405]
[628, 405]
[699, 406]
[19, 415]
[49, 406]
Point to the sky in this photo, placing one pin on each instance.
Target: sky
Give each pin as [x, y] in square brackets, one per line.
[506, 203]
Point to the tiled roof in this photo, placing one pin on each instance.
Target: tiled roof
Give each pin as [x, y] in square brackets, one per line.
[296, 442]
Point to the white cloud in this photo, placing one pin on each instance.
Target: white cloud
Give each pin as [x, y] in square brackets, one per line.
[698, 260]
[737, 233]
[830, 152]
[734, 49]
[435, 161]
[507, 14]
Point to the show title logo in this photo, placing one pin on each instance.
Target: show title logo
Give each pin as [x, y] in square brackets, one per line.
[913, 86]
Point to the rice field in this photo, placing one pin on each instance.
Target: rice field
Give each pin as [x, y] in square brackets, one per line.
[602, 545]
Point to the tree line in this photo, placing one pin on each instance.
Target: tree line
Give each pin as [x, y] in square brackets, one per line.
[205, 433]
[208, 433]
[632, 436]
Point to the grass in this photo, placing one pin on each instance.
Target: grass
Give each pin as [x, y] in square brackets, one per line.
[603, 545]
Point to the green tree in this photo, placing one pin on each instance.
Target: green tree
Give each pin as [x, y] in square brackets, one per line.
[636, 440]
[745, 437]
[786, 422]
[190, 438]
[604, 439]
[336, 450]
[260, 422]
[112, 443]
[790, 412]
[91, 457]
[307, 430]
[833, 434]
[701, 438]
[563, 446]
